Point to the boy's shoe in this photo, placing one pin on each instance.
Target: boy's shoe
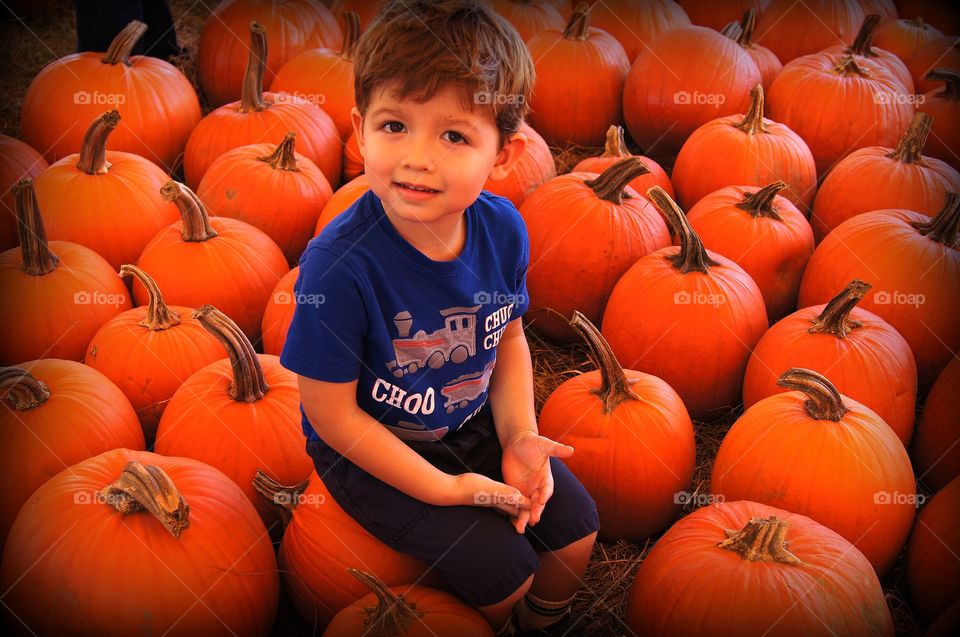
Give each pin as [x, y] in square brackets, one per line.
[566, 626]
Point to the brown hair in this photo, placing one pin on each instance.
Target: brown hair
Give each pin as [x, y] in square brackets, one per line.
[424, 46]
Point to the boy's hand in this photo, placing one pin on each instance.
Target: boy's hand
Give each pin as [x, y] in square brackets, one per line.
[478, 490]
[526, 466]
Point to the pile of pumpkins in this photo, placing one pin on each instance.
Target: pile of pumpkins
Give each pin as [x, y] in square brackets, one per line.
[788, 242]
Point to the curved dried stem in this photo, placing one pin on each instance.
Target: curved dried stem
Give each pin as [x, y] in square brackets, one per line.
[22, 390]
[835, 316]
[159, 315]
[93, 148]
[249, 384]
[692, 256]
[148, 488]
[122, 45]
[823, 400]
[37, 258]
[761, 540]
[614, 384]
[611, 183]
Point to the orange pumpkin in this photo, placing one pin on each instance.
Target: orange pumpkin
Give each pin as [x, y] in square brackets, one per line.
[529, 17]
[688, 316]
[279, 313]
[342, 199]
[933, 565]
[683, 79]
[862, 47]
[150, 350]
[875, 178]
[411, 611]
[580, 73]
[633, 436]
[717, 15]
[765, 59]
[585, 231]
[238, 414]
[320, 541]
[939, 53]
[293, 26]
[202, 259]
[792, 30]
[157, 102]
[179, 551]
[637, 24]
[744, 568]
[104, 200]
[763, 233]
[748, 150]
[616, 149]
[936, 447]
[353, 159]
[56, 413]
[824, 455]
[17, 160]
[55, 295]
[260, 117]
[534, 168]
[944, 106]
[914, 265]
[275, 189]
[904, 37]
[324, 77]
[866, 358]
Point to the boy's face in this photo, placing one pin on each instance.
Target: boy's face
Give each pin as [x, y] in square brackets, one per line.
[429, 160]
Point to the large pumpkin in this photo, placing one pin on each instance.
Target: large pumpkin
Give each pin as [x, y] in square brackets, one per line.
[150, 350]
[904, 37]
[105, 200]
[56, 413]
[279, 313]
[17, 160]
[936, 447]
[636, 24]
[616, 149]
[201, 259]
[865, 357]
[160, 534]
[633, 438]
[824, 455]
[879, 177]
[688, 316]
[914, 265]
[682, 80]
[260, 117]
[585, 231]
[293, 26]
[792, 29]
[535, 167]
[933, 555]
[944, 106]
[54, 295]
[745, 150]
[157, 102]
[580, 73]
[273, 188]
[744, 568]
[763, 233]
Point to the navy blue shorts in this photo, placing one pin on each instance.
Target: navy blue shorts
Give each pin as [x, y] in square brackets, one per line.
[476, 550]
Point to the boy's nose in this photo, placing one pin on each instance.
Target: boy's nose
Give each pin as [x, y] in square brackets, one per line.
[420, 155]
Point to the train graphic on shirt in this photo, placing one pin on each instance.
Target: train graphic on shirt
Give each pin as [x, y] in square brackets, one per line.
[455, 342]
[461, 390]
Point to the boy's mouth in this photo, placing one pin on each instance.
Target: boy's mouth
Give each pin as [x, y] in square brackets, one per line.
[414, 187]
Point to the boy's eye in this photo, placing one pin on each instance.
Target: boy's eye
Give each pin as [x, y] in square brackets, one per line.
[454, 137]
[393, 127]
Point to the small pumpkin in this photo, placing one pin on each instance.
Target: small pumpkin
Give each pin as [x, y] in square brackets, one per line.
[792, 450]
[944, 106]
[936, 447]
[17, 160]
[279, 313]
[616, 149]
[933, 565]
[793, 30]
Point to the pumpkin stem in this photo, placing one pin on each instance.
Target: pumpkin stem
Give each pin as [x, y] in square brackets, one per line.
[614, 384]
[760, 203]
[943, 228]
[823, 400]
[732, 31]
[847, 66]
[692, 256]
[248, 384]
[93, 148]
[251, 96]
[616, 145]
[159, 315]
[351, 33]
[283, 157]
[761, 540]
[835, 316]
[864, 40]
[283, 498]
[148, 488]
[123, 44]
[753, 121]
[910, 148]
[23, 390]
[951, 80]
[196, 222]
[392, 615]
[747, 25]
[611, 183]
[37, 259]
[578, 27]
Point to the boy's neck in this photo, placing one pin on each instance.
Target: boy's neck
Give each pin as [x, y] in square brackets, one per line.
[442, 240]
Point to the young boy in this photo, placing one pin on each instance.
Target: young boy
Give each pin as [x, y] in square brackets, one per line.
[415, 375]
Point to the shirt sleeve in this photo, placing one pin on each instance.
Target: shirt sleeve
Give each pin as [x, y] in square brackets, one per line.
[325, 340]
[522, 301]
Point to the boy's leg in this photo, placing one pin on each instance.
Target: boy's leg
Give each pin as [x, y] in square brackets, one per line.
[500, 614]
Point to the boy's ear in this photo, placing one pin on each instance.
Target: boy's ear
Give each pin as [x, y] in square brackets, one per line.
[357, 120]
[509, 155]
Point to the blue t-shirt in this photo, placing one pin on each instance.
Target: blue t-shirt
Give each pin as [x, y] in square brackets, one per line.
[419, 335]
